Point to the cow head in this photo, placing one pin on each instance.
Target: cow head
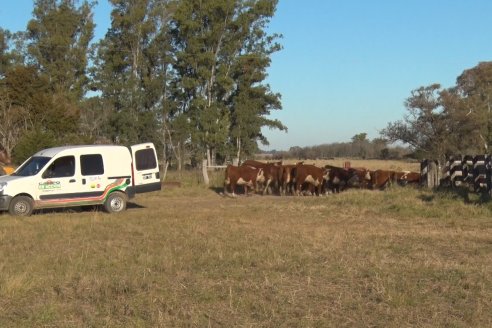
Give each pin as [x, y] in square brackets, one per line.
[326, 175]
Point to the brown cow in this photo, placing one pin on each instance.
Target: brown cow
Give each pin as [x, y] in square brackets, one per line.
[341, 178]
[408, 177]
[312, 175]
[287, 180]
[363, 175]
[380, 179]
[242, 175]
[271, 171]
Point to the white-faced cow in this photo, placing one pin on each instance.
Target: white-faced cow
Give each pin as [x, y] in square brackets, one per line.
[310, 174]
[341, 178]
[381, 179]
[245, 176]
[408, 177]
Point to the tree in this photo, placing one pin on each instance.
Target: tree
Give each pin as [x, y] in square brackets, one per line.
[59, 36]
[4, 54]
[457, 120]
[425, 127]
[132, 65]
[222, 52]
[474, 89]
[360, 145]
[14, 121]
[252, 100]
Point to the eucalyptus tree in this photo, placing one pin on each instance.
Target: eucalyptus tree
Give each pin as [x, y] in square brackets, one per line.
[4, 51]
[252, 99]
[58, 43]
[222, 52]
[131, 68]
[59, 35]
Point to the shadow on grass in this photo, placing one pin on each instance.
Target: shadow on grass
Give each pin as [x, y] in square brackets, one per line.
[217, 190]
[133, 206]
[82, 209]
[459, 193]
[427, 198]
[238, 192]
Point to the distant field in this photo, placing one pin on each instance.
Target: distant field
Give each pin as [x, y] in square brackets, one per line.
[186, 256]
[372, 164]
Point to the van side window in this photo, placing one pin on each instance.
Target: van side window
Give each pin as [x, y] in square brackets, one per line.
[145, 159]
[61, 168]
[91, 164]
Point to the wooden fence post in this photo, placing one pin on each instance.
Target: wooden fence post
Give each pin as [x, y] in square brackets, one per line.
[434, 174]
[206, 180]
[430, 174]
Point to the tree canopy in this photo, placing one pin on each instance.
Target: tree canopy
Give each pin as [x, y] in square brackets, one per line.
[188, 75]
[457, 120]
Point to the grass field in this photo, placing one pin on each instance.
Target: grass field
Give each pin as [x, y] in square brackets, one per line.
[187, 257]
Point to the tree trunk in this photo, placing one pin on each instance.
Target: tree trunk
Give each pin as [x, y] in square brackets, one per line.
[238, 143]
[179, 157]
[209, 158]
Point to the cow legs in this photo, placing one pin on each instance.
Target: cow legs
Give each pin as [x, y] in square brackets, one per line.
[266, 186]
[233, 188]
[298, 188]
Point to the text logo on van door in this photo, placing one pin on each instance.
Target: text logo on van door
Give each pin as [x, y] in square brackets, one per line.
[49, 185]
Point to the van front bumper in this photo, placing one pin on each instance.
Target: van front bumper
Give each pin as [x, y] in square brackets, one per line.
[5, 202]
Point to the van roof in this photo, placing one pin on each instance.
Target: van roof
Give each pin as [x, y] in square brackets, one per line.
[50, 152]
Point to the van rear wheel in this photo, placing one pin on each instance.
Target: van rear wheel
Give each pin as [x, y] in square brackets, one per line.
[21, 206]
[116, 202]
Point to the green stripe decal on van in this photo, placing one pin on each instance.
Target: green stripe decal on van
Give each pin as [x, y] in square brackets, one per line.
[83, 198]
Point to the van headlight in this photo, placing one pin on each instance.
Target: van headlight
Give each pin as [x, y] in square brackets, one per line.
[2, 186]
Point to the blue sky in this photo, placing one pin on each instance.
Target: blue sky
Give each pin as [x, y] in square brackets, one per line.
[348, 65]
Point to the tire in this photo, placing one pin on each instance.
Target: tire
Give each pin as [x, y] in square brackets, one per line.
[115, 203]
[21, 206]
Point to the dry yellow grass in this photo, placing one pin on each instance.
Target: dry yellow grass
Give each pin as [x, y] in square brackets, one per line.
[188, 257]
[371, 164]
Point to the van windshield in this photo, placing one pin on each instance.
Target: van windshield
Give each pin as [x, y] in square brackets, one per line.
[32, 166]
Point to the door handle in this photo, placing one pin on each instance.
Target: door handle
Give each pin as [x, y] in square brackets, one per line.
[71, 180]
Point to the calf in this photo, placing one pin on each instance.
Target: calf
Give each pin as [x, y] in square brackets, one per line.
[242, 175]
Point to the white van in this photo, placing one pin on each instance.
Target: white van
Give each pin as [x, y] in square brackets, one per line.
[80, 175]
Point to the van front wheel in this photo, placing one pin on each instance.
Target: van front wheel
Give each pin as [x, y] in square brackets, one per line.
[21, 206]
[116, 202]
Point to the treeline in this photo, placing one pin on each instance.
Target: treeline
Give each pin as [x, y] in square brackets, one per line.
[358, 147]
[188, 75]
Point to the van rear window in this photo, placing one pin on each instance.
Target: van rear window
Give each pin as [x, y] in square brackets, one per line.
[91, 164]
[145, 159]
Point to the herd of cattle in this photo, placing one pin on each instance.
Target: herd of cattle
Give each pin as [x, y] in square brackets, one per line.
[302, 179]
